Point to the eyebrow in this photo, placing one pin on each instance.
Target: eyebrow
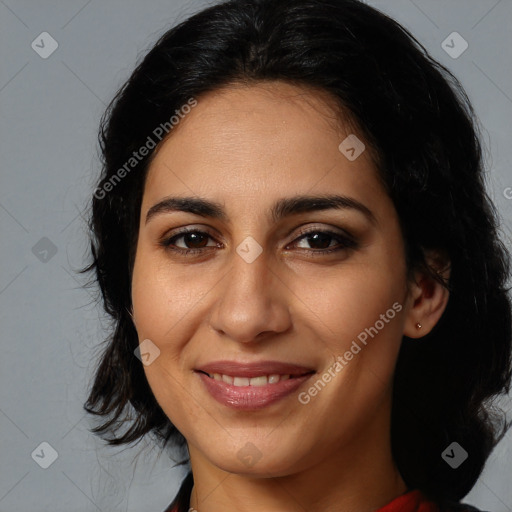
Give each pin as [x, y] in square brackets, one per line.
[282, 208]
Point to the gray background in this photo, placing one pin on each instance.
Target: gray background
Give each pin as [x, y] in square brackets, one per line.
[51, 327]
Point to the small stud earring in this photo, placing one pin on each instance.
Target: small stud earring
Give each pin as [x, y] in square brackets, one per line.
[418, 326]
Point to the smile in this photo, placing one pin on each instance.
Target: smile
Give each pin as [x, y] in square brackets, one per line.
[251, 386]
[262, 380]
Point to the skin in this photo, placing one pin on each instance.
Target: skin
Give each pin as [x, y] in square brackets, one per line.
[246, 147]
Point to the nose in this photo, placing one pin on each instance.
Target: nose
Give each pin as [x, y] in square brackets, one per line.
[252, 302]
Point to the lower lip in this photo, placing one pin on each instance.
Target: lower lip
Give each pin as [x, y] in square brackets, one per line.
[251, 397]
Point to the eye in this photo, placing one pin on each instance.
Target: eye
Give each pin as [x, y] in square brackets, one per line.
[321, 241]
[195, 242]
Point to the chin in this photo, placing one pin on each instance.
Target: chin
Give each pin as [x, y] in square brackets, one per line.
[263, 462]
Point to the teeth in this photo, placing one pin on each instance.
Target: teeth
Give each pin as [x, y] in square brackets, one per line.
[240, 381]
[227, 379]
[259, 381]
[262, 380]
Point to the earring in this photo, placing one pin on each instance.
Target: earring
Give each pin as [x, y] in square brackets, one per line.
[418, 326]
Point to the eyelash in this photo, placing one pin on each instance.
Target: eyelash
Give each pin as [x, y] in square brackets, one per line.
[345, 242]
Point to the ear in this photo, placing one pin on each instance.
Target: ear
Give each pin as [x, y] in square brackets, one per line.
[427, 298]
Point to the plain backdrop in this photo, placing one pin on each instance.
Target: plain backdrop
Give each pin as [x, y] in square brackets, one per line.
[51, 327]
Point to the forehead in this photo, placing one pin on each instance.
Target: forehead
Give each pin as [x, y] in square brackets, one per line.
[263, 140]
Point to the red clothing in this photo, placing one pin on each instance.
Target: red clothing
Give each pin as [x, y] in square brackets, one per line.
[412, 501]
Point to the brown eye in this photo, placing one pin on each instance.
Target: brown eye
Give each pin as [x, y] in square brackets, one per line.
[319, 242]
[192, 241]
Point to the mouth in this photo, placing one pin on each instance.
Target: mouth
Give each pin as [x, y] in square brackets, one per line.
[252, 386]
[259, 381]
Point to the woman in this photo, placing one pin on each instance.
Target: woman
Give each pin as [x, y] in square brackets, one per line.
[292, 235]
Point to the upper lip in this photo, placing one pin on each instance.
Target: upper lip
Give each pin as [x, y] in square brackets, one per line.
[255, 369]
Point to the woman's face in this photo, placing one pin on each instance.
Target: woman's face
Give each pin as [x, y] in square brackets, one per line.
[254, 294]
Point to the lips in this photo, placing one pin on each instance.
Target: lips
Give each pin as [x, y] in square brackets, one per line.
[256, 369]
[250, 386]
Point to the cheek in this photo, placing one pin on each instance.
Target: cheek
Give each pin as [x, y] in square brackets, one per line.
[183, 408]
[163, 296]
[360, 324]
[162, 306]
[358, 314]
[352, 298]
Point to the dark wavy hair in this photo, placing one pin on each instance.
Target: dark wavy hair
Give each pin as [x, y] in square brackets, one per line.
[417, 120]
